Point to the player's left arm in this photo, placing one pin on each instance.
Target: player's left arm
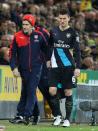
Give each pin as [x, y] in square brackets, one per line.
[77, 54]
[45, 46]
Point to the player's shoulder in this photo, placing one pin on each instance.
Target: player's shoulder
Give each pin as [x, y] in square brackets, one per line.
[18, 33]
[38, 32]
[73, 31]
[44, 30]
[54, 30]
[40, 29]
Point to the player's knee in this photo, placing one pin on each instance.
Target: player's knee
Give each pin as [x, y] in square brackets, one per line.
[52, 91]
[68, 92]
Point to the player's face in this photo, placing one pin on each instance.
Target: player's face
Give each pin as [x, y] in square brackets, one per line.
[26, 26]
[63, 20]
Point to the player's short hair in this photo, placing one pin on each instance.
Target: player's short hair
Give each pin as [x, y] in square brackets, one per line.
[63, 11]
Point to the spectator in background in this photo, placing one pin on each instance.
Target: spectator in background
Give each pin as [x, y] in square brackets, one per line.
[34, 9]
[7, 28]
[38, 1]
[96, 65]
[79, 23]
[72, 8]
[49, 2]
[90, 21]
[15, 14]
[4, 28]
[11, 27]
[4, 56]
[88, 63]
[96, 22]
[95, 4]
[6, 40]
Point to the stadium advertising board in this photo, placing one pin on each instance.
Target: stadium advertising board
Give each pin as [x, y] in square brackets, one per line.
[88, 77]
[10, 87]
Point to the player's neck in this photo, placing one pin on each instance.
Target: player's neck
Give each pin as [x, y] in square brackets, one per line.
[63, 28]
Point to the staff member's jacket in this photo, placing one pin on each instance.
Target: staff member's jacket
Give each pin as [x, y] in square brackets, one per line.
[25, 50]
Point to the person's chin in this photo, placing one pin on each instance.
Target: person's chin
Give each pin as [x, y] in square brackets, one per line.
[25, 32]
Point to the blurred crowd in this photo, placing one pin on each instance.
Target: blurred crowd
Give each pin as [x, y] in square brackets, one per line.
[84, 18]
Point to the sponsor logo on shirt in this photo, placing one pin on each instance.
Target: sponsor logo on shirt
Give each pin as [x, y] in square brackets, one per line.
[77, 38]
[61, 44]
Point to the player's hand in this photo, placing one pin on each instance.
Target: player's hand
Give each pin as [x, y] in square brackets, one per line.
[76, 72]
[16, 72]
[48, 64]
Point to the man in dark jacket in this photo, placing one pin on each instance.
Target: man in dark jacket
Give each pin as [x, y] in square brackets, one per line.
[43, 83]
[26, 61]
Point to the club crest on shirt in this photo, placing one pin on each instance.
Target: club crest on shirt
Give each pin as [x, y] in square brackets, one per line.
[77, 38]
[36, 38]
[68, 35]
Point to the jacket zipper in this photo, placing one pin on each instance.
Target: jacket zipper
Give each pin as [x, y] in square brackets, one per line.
[29, 56]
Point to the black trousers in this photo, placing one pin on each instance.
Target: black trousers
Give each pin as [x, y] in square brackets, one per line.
[44, 88]
[30, 81]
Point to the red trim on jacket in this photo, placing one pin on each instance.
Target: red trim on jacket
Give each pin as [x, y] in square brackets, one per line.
[21, 39]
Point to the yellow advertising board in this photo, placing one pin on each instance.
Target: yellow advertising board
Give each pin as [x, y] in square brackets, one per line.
[10, 87]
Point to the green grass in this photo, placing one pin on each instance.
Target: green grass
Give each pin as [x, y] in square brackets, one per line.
[47, 127]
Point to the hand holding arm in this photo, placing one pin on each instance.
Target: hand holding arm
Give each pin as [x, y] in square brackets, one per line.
[16, 72]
